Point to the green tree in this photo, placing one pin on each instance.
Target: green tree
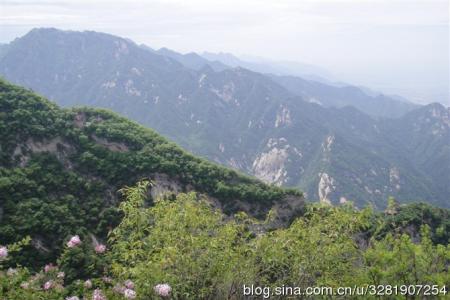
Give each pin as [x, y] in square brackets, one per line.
[184, 243]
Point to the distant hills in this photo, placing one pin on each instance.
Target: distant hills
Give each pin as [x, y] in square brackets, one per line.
[266, 66]
[313, 85]
[337, 143]
[192, 60]
[377, 105]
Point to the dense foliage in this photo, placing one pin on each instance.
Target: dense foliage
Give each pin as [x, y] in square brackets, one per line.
[409, 218]
[187, 249]
[60, 171]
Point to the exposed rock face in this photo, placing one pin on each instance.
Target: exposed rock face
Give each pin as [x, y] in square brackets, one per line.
[55, 146]
[287, 209]
[113, 146]
[326, 146]
[226, 92]
[283, 117]
[270, 166]
[394, 177]
[326, 187]
[201, 80]
[46, 145]
[235, 164]
[163, 185]
[130, 88]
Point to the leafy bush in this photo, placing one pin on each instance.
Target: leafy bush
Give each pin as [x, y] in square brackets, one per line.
[188, 250]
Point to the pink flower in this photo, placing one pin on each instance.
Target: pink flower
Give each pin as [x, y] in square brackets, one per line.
[73, 298]
[48, 285]
[100, 248]
[163, 290]
[98, 295]
[129, 294]
[74, 241]
[60, 275]
[3, 252]
[49, 268]
[129, 284]
[88, 284]
[25, 285]
[107, 279]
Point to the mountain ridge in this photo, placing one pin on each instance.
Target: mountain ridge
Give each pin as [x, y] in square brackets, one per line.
[237, 117]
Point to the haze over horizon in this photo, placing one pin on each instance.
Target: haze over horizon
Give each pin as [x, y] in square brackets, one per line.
[396, 47]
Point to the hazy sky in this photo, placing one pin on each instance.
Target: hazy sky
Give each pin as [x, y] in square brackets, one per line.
[397, 46]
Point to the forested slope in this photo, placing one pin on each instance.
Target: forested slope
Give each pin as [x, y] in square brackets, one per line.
[60, 171]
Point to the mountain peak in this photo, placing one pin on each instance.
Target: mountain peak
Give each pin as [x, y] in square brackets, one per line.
[440, 112]
[165, 51]
[51, 30]
[435, 110]
[37, 30]
[48, 32]
[436, 105]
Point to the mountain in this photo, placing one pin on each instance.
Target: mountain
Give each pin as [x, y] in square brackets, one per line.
[377, 105]
[314, 88]
[424, 134]
[240, 118]
[264, 66]
[60, 171]
[192, 60]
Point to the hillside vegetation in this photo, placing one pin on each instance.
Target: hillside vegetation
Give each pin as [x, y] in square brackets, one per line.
[188, 229]
[185, 249]
[60, 171]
